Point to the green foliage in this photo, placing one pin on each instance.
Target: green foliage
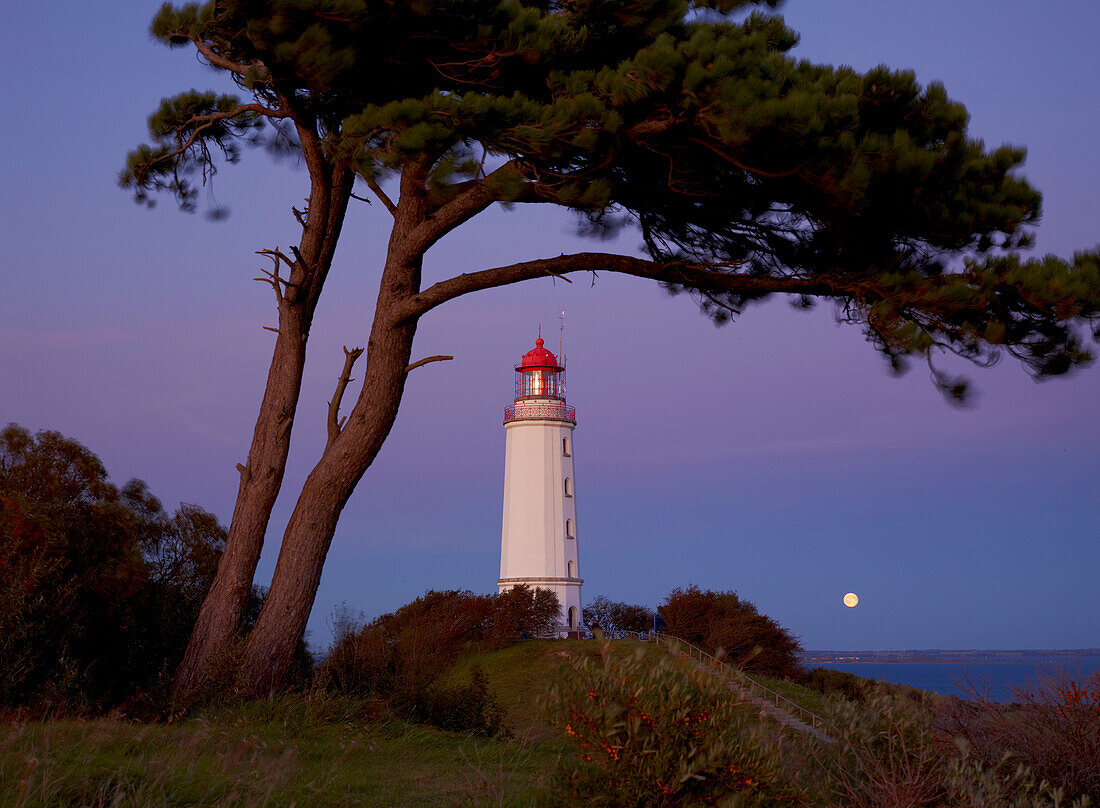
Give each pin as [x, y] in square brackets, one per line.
[723, 624]
[404, 652]
[99, 587]
[838, 683]
[523, 612]
[614, 618]
[457, 708]
[648, 734]
[748, 172]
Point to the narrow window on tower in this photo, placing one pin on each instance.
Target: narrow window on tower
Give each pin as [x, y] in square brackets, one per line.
[569, 529]
[572, 570]
[568, 487]
[565, 446]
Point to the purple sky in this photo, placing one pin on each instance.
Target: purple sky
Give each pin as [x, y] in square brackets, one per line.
[775, 456]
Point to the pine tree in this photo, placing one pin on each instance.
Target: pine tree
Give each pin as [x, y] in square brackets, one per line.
[749, 174]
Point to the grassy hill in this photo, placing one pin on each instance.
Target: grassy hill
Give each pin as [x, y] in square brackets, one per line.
[517, 675]
[303, 750]
[309, 750]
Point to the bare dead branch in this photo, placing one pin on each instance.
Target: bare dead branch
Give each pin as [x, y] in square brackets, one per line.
[301, 261]
[556, 275]
[426, 360]
[272, 277]
[300, 215]
[335, 423]
[277, 255]
[269, 328]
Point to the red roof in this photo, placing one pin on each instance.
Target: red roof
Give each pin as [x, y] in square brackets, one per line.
[539, 357]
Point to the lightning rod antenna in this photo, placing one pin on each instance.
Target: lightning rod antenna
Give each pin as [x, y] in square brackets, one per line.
[561, 337]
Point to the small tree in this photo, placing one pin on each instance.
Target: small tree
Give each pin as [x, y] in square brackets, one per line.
[747, 172]
[615, 618]
[520, 610]
[724, 623]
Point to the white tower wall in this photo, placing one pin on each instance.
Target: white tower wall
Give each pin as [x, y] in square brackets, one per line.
[539, 526]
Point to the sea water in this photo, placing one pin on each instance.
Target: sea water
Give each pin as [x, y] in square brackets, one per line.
[997, 681]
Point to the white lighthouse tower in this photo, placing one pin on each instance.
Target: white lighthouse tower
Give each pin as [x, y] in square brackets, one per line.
[538, 543]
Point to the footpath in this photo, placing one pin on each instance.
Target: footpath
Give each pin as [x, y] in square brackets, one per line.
[779, 708]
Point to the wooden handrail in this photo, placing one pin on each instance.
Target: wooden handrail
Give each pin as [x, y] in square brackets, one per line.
[675, 644]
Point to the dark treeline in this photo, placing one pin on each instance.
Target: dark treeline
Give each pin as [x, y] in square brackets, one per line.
[99, 585]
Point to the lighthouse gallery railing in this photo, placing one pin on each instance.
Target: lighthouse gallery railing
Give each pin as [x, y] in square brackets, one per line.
[556, 412]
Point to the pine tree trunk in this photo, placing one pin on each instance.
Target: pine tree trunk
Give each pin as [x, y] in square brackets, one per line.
[271, 644]
[222, 611]
[282, 622]
[220, 616]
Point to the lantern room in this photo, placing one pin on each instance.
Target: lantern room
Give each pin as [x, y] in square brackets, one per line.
[538, 375]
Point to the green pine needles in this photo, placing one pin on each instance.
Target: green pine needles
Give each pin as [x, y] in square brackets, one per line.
[700, 129]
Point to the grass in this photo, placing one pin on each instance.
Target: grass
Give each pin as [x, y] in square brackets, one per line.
[305, 750]
[295, 751]
[243, 759]
[515, 675]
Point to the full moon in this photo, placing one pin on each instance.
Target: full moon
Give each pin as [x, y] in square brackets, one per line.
[851, 599]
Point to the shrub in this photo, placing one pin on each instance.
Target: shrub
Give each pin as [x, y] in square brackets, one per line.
[889, 755]
[837, 683]
[722, 623]
[614, 618]
[458, 708]
[405, 651]
[659, 735]
[1052, 728]
[521, 611]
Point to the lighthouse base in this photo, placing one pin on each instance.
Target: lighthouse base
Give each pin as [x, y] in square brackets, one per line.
[568, 590]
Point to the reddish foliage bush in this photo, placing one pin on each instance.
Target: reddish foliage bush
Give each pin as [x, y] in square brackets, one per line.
[406, 650]
[722, 623]
[660, 735]
[1052, 728]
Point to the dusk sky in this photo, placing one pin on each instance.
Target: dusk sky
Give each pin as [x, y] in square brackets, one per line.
[775, 456]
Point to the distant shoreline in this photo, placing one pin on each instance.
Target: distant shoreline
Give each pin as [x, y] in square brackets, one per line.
[937, 655]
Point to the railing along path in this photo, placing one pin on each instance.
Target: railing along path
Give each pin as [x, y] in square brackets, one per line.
[745, 682]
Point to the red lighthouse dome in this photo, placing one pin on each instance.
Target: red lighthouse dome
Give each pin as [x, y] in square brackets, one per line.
[539, 357]
[540, 388]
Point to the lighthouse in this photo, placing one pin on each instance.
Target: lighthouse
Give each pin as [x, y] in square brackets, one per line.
[538, 543]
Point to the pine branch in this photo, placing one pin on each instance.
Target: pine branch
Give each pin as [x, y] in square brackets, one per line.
[476, 197]
[383, 198]
[714, 278]
[261, 72]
